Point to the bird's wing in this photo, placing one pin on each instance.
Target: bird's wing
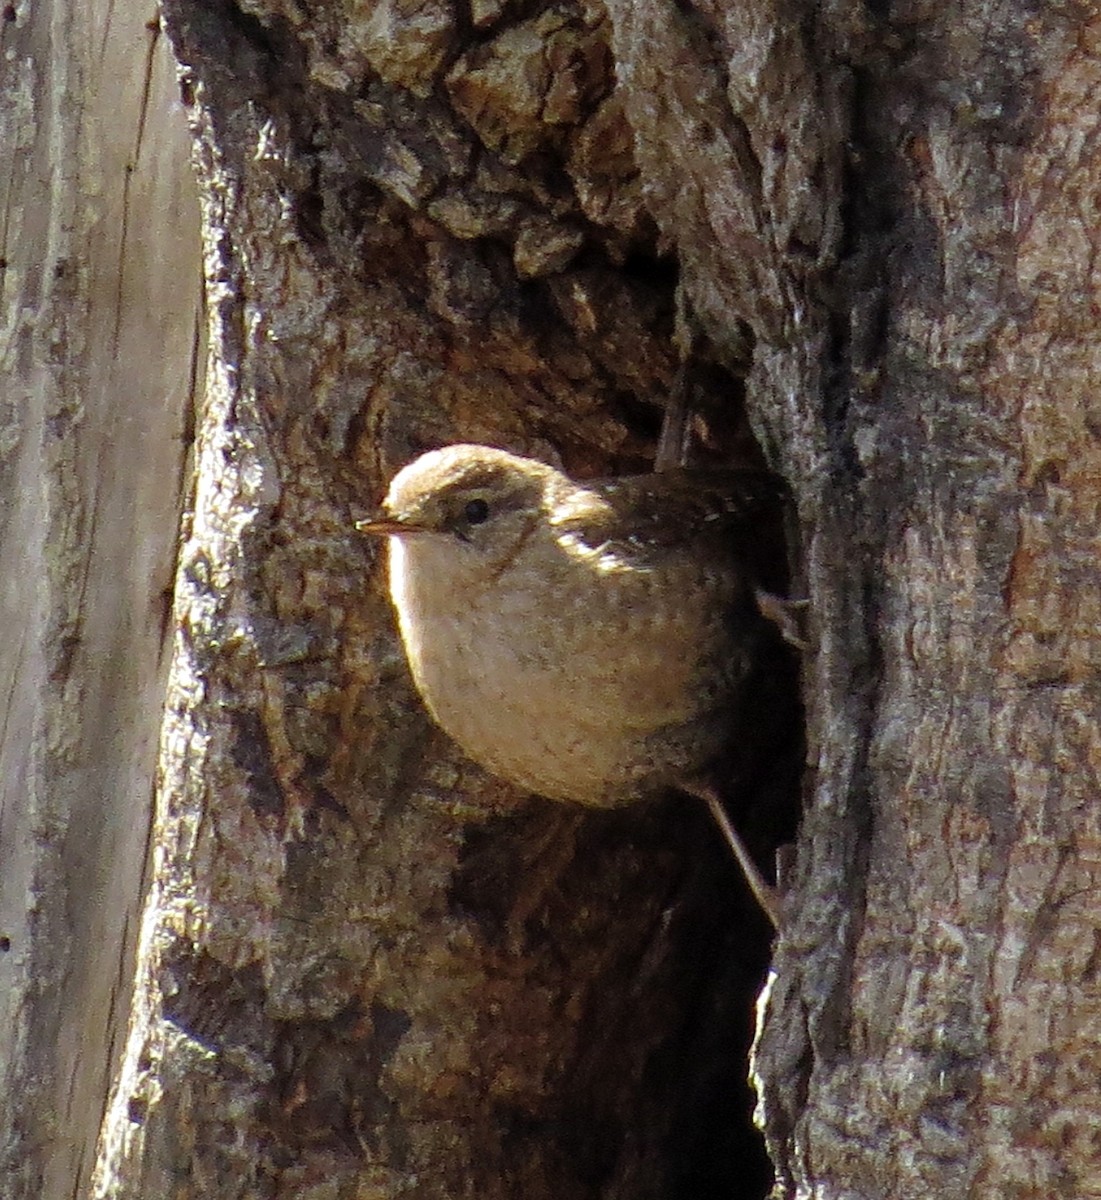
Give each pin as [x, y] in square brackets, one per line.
[642, 522]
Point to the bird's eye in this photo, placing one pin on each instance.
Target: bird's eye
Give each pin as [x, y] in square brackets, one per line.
[476, 512]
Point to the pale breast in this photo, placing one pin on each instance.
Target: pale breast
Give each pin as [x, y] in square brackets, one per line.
[575, 686]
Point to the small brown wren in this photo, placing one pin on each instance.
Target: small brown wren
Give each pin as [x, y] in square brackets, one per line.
[589, 641]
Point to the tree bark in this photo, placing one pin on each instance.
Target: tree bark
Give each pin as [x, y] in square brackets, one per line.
[366, 969]
[100, 278]
[935, 987]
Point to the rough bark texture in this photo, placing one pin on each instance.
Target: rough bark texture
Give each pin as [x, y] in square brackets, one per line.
[937, 987]
[100, 284]
[369, 971]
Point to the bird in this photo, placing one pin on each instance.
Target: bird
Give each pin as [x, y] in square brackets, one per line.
[591, 641]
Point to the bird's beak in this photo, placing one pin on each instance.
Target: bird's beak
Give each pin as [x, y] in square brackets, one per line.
[387, 527]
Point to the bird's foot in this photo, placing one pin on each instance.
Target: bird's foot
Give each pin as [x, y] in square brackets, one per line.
[766, 895]
[789, 616]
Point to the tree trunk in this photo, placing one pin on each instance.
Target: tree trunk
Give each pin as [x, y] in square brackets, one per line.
[367, 969]
[931, 1022]
[100, 276]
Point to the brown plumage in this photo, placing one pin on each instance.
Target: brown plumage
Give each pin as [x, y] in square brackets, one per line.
[587, 641]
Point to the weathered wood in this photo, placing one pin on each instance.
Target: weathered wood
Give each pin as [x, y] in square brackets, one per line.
[100, 278]
[369, 970]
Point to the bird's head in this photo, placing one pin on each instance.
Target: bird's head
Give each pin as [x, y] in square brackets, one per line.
[466, 510]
